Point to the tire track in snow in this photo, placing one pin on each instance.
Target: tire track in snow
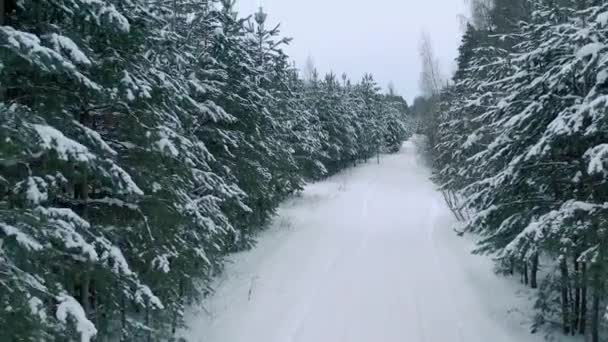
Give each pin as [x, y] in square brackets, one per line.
[447, 292]
[305, 305]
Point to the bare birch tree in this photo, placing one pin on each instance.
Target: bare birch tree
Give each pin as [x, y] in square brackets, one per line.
[430, 75]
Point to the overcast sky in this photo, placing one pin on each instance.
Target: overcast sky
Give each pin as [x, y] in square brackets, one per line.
[377, 36]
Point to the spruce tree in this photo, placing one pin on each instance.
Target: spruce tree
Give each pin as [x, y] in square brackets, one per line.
[521, 150]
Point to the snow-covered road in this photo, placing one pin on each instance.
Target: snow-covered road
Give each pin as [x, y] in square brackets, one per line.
[368, 255]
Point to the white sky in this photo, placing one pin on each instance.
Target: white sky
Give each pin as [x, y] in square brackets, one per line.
[377, 36]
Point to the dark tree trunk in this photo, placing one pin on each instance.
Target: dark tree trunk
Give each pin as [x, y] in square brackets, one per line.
[84, 195]
[525, 272]
[94, 302]
[595, 318]
[577, 297]
[512, 267]
[149, 334]
[85, 289]
[5, 11]
[534, 271]
[2, 22]
[565, 303]
[176, 312]
[123, 316]
[174, 323]
[7, 7]
[596, 309]
[583, 319]
[84, 293]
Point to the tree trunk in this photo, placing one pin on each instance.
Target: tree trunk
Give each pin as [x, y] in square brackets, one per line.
[534, 271]
[85, 289]
[180, 295]
[174, 323]
[595, 318]
[565, 303]
[149, 334]
[577, 296]
[84, 195]
[512, 267]
[93, 295]
[2, 22]
[85, 283]
[583, 319]
[450, 200]
[123, 317]
[7, 8]
[525, 272]
[2, 15]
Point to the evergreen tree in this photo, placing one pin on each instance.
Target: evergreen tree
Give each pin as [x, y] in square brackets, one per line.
[142, 142]
[521, 150]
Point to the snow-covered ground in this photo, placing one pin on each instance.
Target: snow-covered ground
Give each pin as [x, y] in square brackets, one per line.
[368, 255]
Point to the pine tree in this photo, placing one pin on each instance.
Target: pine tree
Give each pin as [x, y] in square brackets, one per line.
[521, 143]
[142, 142]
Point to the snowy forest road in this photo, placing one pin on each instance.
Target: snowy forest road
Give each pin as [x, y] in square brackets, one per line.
[368, 255]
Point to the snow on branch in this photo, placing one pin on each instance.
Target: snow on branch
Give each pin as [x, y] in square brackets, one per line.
[597, 158]
[66, 148]
[25, 240]
[62, 43]
[29, 47]
[69, 307]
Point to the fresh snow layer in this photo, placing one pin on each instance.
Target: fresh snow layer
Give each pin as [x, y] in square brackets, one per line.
[368, 255]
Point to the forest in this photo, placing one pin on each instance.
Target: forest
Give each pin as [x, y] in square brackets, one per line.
[519, 144]
[141, 142]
